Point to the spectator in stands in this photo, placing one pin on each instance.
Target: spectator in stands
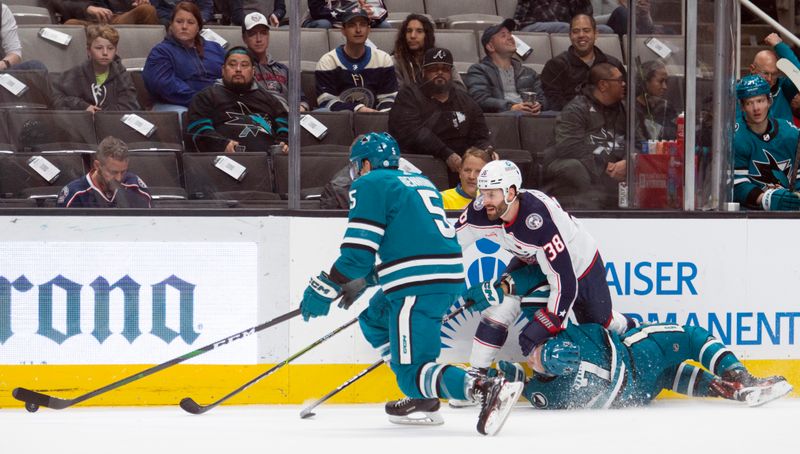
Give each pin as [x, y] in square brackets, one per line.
[329, 13]
[564, 74]
[437, 119]
[588, 160]
[467, 189]
[551, 16]
[270, 74]
[10, 46]
[355, 76]
[414, 38]
[618, 21]
[184, 63]
[783, 90]
[239, 7]
[655, 117]
[500, 83]
[108, 184]
[235, 114]
[164, 9]
[85, 12]
[99, 83]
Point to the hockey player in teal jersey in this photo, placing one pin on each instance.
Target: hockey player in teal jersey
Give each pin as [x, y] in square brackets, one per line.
[764, 152]
[398, 216]
[587, 366]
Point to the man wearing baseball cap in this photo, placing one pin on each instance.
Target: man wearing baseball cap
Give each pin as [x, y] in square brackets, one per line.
[355, 76]
[500, 83]
[268, 73]
[435, 117]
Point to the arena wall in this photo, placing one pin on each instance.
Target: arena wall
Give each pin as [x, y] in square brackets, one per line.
[85, 301]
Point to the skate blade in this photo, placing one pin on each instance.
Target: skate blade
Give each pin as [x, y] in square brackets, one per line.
[419, 418]
[508, 397]
[453, 403]
[761, 396]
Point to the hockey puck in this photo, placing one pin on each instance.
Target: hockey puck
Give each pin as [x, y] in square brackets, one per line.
[31, 407]
[307, 415]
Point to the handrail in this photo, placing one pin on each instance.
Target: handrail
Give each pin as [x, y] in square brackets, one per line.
[775, 24]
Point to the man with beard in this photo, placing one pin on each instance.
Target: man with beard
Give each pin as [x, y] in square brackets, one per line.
[588, 161]
[437, 119]
[552, 252]
[236, 114]
[564, 74]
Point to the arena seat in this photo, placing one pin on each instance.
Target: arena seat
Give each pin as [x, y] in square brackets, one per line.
[56, 57]
[136, 41]
[503, 130]
[433, 168]
[166, 137]
[608, 43]
[52, 130]
[400, 9]
[37, 96]
[462, 44]
[19, 180]
[370, 122]
[317, 169]
[313, 44]
[441, 9]
[160, 172]
[6, 144]
[506, 8]
[340, 129]
[230, 33]
[142, 95]
[26, 14]
[204, 181]
[536, 134]
[472, 21]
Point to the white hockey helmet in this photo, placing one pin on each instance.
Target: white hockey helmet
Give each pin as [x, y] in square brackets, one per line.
[500, 174]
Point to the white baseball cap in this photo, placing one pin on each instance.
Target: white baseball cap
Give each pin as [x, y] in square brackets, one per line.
[253, 19]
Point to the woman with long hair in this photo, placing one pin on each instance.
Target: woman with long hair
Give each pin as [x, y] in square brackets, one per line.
[415, 36]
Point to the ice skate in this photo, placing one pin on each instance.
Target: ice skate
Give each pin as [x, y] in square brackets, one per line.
[756, 391]
[472, 372]
[417, 412]
[497, 397]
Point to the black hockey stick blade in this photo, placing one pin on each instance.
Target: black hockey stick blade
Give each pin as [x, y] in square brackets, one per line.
[194, 408]
[33, 400]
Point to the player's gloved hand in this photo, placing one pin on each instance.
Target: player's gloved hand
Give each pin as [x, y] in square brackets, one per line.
[319, 295]
[780, 199]
[512, 371]
[483, 295]
[560, 357]
[543, 326]
[353, 290]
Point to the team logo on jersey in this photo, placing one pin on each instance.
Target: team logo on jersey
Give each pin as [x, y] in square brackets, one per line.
[534, 221]
[676, 347]
[772, 173]
[62, 196]
[539, 400]
[478, 204]
[251, 123]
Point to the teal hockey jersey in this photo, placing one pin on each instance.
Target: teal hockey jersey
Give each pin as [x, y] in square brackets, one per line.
[399, 216]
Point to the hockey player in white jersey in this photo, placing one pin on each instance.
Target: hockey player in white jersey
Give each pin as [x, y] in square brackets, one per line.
[557, 254]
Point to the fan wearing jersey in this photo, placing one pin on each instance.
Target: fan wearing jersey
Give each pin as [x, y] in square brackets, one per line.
[587, 366]
[398, 217]
[553, 252]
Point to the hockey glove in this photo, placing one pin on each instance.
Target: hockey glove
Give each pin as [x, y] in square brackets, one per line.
[353, 290]
[543, 326]
[780, 200]
[560, 357]
[512, 371]
[319, 295]
[483, 296]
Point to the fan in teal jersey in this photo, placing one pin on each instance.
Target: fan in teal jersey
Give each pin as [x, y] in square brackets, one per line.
[764, 151]
[398, 216]
[587, 366]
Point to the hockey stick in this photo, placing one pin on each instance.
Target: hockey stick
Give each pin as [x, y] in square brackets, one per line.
[793, 73]
[193, 407]
[35, 399]
[307, 412]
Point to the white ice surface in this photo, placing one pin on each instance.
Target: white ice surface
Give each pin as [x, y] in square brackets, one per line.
[669, 426]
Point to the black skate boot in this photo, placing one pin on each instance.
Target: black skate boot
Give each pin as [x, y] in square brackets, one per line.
[497, 397]
[419, 412]
[473, 372]
[756, 391]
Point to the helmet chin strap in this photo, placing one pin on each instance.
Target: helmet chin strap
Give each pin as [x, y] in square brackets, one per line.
[508, 204]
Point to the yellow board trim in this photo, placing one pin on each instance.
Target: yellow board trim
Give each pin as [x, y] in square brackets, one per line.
[207, 383]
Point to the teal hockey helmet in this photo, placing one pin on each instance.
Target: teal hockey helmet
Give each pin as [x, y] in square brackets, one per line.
[379, 148]
[750, 86]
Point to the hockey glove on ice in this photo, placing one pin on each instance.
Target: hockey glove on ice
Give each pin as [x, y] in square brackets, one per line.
[353, 290]
[543, 326]
[512, 371]
[319, 295]
[780, 200]
[484, 295]
[560, 357]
